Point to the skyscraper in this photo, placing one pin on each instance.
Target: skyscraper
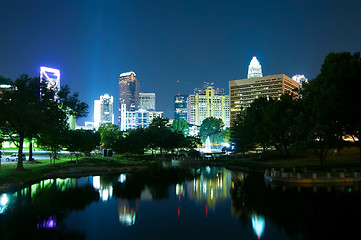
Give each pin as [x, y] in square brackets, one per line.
[180, 107]
[103, 110]
[128, 92]
[147, 101]
[207, 102]
[254, 69]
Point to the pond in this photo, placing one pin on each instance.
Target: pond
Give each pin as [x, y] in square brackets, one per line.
[178, 203]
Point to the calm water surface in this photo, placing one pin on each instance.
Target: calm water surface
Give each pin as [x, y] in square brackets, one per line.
[178, 203]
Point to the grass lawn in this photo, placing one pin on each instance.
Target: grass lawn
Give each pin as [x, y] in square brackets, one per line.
[346, 158]
[38, 169]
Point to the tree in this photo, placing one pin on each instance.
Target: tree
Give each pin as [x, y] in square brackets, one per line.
[341, 77]
[81, 140]
[158, 133]
[254, 122]
[240, 134]
[53, 136]
[211, 127]
[278, 121]
[180, 125]
[109, 134]
[23, 111]
[135, 142]
[71, 103]
[318, 126]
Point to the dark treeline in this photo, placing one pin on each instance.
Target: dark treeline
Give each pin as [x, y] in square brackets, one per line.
[155, 137]
[326, 111]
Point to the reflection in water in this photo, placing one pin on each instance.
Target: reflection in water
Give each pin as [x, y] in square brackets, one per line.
[161, 202]
[258, 224]
[3, 202]
[127, 211]
[105, 190]
[50, 222]
[210, 185]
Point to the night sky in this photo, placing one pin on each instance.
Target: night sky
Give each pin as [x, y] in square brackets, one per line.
[92, 42]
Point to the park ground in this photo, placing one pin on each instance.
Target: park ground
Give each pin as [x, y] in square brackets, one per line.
[10, 178]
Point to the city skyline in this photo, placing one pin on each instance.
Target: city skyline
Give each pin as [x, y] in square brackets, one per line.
[172, 46]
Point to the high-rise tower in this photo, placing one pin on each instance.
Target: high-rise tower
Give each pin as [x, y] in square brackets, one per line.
[147, 101]
[103, 110]
[180, 107]
[128, 92]
[254, 69]
[207, 102]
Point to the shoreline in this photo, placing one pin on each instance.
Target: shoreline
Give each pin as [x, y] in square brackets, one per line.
[73, 172]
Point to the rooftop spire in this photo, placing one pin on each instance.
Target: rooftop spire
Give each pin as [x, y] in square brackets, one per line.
[254, 69]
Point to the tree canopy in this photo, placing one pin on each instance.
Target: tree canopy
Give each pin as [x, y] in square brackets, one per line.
[327, 111]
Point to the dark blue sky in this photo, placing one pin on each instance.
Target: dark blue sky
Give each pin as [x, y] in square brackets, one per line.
[92, 42]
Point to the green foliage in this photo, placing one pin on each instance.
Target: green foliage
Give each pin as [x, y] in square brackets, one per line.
[82, 140]
[278, 121]
[29, 111]
[109, 134]
[180, 125]
[213, 127]
[329, 109]
[71, 103]
[159, 122]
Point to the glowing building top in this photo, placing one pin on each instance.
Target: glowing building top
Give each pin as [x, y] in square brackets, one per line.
[51, 77]
[254, 69]
[127, 74]
[300, 79]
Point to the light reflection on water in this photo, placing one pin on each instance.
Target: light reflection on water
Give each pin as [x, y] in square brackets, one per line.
[205, 202]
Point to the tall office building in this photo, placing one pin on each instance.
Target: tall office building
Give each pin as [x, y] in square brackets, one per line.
[207, 102]
[128, 93]
[147, 101]
[103, 110]
[254, 69]
[244, 91]
[180, 107]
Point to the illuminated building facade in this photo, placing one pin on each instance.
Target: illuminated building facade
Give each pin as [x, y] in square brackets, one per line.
[128, 92]
[51, 77]
[154, 114]
[147, 101]
[180, 107]
[244, 91]
[208, 102]
[254, 69]
[133, 119]
[103, 110]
